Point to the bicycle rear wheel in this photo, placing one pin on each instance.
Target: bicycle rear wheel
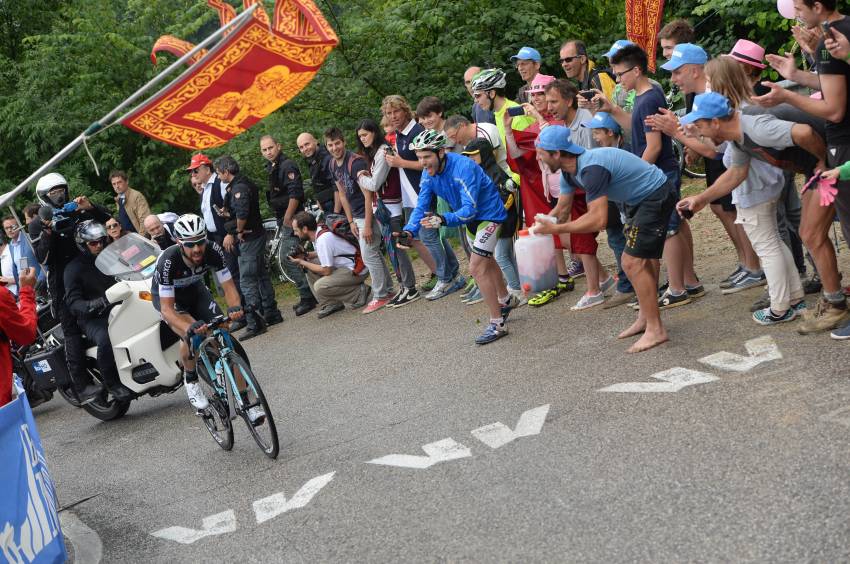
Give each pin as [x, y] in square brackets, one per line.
[263, 430]
[217, 416]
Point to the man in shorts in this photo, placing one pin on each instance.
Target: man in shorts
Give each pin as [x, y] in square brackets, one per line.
[475, 202]
[609, 174]
[185, 303]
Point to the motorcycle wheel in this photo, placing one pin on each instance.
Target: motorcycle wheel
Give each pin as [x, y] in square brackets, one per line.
[102, 407]
[69, 396]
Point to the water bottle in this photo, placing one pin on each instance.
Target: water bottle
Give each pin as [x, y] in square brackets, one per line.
[535, 257]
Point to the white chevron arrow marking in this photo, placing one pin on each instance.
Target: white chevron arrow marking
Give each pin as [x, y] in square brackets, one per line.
[440, 451]
[218, 524]
[672, 380]
[498, 434]
[273, 505]
[760, 350]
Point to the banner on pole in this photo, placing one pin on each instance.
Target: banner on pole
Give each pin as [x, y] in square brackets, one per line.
[256, 69]
[643, 21]
[29, 520]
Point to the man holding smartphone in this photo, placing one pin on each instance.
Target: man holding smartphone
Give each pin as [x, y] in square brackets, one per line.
[21, 251]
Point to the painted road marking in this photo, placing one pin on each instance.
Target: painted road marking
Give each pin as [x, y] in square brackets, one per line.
[273, 505]
[762, 349]
[440, 451]
[673, 380]
[498, 434]
[87, 546]
[218, 524]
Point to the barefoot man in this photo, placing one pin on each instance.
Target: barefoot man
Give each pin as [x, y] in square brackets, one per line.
[621, 177]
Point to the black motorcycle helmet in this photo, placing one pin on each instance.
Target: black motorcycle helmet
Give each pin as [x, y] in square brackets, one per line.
[88, 231]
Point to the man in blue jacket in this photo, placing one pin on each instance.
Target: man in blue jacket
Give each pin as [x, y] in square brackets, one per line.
[475, 203]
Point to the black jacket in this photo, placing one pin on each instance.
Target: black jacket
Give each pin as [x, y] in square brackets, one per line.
[284, 184]
[244, 203]
[324, 184]
[85, 287]
[56, 250]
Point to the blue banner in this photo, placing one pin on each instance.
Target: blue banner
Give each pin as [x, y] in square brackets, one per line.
[29, 522]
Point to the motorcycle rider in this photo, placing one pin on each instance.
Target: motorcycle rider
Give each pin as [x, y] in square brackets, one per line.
[85, 296]
[52, 233]
[185, 303]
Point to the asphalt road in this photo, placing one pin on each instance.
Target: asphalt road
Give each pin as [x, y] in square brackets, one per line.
[751, 466]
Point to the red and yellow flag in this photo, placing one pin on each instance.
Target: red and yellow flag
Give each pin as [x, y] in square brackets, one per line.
[252, 72]
[643, 21]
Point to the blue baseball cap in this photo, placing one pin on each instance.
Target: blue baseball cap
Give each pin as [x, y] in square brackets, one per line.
[557, 138]
[685, 54]
[619, 44]
[708, 106]
[527, 54]
[602, 120]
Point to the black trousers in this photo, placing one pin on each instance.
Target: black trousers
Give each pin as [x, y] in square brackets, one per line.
[73, 339]
[97, 330]
[232, 262]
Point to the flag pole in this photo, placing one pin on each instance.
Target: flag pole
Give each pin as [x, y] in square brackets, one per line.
[7, 198]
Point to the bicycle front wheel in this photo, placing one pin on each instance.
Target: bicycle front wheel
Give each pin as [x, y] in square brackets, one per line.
[262, 428]
[217, 416]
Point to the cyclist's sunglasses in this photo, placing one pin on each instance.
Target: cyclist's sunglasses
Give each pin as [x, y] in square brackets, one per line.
[193, 244]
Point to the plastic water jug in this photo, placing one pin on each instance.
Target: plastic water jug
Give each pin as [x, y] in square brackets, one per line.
[535, 258]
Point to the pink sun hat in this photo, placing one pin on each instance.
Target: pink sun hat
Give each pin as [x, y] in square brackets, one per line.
[748, 53]
[539, 83]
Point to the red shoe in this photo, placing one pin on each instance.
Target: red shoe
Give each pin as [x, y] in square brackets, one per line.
[378, 303]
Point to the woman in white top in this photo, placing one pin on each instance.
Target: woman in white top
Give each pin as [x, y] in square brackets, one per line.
[7, 268]
[382, 188]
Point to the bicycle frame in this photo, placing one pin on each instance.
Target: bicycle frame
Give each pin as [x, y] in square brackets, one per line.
[225, 346]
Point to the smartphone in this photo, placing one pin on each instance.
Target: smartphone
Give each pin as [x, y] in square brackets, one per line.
[516, 111]
[390, 150]
[587, 94]
[827, 30]
[23, 264]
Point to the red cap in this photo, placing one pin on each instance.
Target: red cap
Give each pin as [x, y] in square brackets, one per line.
[198, 160]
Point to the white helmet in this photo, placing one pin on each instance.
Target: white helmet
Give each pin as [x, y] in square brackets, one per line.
[47, 183]
[190, 227]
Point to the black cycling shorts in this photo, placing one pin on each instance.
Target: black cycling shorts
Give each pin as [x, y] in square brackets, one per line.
[645, 228]
[195, 300]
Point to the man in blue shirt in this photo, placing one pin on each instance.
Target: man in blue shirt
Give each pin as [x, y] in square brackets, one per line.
[475, 203]
[648, 198]
[20, 247]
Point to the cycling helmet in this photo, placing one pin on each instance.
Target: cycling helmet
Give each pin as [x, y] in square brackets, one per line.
[190, 227]
[88, 231]
[47, 183]
[429, 139]
[489, 79]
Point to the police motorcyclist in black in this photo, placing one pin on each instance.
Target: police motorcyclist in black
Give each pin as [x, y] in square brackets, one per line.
[52, 233]
[85, 296]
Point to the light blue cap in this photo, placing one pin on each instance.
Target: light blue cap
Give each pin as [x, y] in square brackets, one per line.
[603, 120]
[557, 138]
[527, 54]
[685, 54]
[619, 44]
[708, 106]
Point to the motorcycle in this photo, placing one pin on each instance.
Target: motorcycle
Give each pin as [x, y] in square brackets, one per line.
[146, 350]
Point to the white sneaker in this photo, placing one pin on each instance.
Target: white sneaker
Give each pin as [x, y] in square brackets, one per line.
[196, 396]
[256, 415]
[522, 299]
[439, 291]
[607, 284]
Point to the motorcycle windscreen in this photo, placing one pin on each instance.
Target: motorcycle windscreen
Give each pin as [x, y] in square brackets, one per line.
[132, 257]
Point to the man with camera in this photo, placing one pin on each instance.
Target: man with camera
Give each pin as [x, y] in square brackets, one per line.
[336, 277]
[52, 233]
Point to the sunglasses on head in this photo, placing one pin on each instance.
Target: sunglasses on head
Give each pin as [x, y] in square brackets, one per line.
[193, 244]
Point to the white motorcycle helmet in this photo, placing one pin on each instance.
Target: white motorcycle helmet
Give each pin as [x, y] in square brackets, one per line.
[190, 227]
[47, 183]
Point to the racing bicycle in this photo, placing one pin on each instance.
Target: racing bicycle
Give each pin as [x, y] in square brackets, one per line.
[223, 372]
